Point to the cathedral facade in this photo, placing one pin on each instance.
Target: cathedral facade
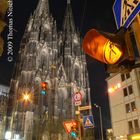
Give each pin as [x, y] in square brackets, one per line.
[56, 58]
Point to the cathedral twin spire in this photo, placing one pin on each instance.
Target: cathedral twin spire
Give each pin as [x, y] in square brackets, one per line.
[68, 1]
[68, 23]
[42, 29]
[43, 7]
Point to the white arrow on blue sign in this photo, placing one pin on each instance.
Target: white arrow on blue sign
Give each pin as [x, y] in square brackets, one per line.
[117, 12]
[125, 11]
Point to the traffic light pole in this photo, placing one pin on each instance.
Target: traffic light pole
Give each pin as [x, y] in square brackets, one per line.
[78, 113]
[79, 120]
[136, 29]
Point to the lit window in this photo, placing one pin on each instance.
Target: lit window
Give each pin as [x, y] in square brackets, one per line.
[110, 90]
[122, 77]
[118, 85]
[133, 106]
[125, 92]
[130, 89]
[127, 106]
[114, 88]
[127, 75]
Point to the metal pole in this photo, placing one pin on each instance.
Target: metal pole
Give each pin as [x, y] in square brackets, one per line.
[136, 29]
[101, 124]
[79, 120]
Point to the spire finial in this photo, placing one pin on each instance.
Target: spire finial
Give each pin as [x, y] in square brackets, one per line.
[68, 1]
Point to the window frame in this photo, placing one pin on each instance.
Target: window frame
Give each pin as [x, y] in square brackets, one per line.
[127, 75]
[136, 125]
[130, 125]
[133, 106]
[122, 77]
[130, 89]
[127, 108]
[125, 92]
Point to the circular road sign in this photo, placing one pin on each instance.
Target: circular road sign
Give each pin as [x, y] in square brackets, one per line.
[77, 96]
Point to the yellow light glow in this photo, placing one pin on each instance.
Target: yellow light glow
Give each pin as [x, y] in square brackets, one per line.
[135, 137]
[26, 97]
[118, 85]
[114, 87]
[110, 90]
[112, 53]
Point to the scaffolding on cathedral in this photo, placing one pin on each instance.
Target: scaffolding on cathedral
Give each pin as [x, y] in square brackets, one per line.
[51, 56]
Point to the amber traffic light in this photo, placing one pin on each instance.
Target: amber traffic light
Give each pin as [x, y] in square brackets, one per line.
[115, 50]
[1, 45]
[105, 47]
[135, 136]
[3, 9]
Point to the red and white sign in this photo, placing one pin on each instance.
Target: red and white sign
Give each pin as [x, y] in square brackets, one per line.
[77, 96]
[68, 124]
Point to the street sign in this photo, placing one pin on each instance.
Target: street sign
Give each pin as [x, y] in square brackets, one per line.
[117, 12]
[125, 11]
[84, 107]
[77, 96]
[88, 121]
[68, 124]
[77, 103]
[130, 8]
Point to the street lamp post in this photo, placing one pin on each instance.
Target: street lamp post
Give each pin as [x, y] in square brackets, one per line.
[101, 124]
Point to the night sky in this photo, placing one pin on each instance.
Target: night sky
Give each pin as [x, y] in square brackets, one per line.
[87, 14]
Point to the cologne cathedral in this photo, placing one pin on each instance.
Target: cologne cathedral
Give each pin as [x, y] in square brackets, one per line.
[55, 58]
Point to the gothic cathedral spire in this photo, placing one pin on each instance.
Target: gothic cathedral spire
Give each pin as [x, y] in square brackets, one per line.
[68, 22]
[68, 1]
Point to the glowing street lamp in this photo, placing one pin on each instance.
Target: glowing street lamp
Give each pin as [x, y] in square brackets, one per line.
[113, 88]
[26, 97]
[8, 135]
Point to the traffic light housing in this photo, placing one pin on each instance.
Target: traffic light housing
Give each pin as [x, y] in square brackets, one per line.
[74, 130]
[44, 87]
[127, 62]
[3, 9]
[135, 136]
[115, 50]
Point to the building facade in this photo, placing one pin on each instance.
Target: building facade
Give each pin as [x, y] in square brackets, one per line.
[56, 58]
[4, 90]
[124, 100]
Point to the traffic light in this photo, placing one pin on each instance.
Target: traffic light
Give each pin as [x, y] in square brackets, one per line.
[135, 136]
[115, 50]
[3, 9]
[74, 130]
[1, 45]
[44, 87]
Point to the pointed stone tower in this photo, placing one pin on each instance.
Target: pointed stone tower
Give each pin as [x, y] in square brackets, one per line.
[53, 57]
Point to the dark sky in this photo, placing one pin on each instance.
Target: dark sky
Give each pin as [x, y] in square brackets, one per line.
[87, 14]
